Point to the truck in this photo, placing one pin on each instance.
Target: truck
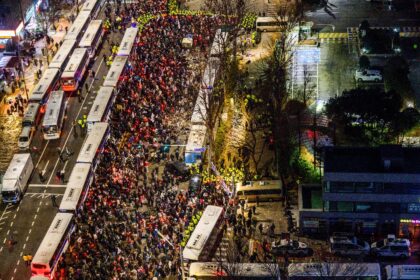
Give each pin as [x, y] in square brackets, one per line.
[15, 180]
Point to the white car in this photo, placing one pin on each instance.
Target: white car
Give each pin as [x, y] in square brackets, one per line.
[368, 76]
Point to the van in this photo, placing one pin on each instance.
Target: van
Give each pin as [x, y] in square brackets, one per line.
[270, 24]
[25, 138]
[16, 178]
[348, 246]
[393, 250]
[270, 190]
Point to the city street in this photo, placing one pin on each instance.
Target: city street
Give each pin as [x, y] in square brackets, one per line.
[28, 221]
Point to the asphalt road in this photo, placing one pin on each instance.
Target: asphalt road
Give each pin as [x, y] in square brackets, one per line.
[29, 220]
[349, 13]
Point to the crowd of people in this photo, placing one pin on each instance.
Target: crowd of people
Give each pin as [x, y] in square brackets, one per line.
[134, 206]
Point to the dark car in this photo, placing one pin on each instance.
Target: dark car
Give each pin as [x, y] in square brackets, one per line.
[292, 248]
[178, 168]
[195, 182]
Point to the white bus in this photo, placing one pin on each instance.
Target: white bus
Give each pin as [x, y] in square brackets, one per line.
[335, 271]
[77, 188]
[55, 111]
[128, 41]
[45, 85]
[94, 144]
[402, 272]
[79, 25]
[63, 54]
[270, 24]
[32, 115]
[75, 70]
[116, 70]
[200, 245]
[54, 244]
[196, 144]
[92, 37]
[219, 43]
[270, 190]
[15, 180]
[215, 270]
[93, 7]
[101, 107]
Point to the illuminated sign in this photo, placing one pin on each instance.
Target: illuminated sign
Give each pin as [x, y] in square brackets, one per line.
[410, 221]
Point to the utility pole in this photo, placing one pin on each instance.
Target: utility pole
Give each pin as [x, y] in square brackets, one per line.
[18, 51]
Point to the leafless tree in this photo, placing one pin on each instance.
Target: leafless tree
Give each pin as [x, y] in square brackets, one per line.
[345, 271]
[49, 15]
[307, 88]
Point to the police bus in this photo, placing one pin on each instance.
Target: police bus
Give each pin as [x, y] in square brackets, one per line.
[116, 70]
[63, 54]
[128, 41]
[94, 144]
[77, 188]
[53, 121]
[402, 272]
[101, 107]
[93, 7]
[216, 270]
[92, 37]
[334, 271]
[200, 244]
[54, 244]
[75, 70]
[45, 85]
[75, 31]
[32, 115]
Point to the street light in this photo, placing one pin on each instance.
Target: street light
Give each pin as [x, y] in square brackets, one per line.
[18, 51]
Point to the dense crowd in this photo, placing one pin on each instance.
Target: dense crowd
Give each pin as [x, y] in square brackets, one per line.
[132, 203]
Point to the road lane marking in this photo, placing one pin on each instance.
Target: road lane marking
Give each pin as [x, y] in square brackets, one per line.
[43, 151]
[14, 271]
[27, 238]
[36, 215]
[14, 216]
[4, 241]
[37, 210]
[33, 223]
[8, 232]
[30, 230]
[11, 224]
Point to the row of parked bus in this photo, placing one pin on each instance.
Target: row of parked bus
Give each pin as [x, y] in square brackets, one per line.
[57, 238]
[46, 101]
[196, 143]
[64, 75]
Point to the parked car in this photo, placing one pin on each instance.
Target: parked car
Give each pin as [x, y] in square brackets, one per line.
[367, 75]
[292, 248]
[391, 247]
[25, 138]
[178, 168]
[195, 183]
[349, 246]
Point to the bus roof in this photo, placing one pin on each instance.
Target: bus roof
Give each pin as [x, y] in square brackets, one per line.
[210, 73]
[196, 138]
[52, 239]
[92, 142]
[202, 232]
[99, 105]
[31, 112]
[333, 269]
[77, 26]
[257, 185]
[212, 269]
[408, 272]
[89, 5]
[115, 71]
[94, 27]
[53, 108]
[128, 41]
[16, 166]
[75, 185]
[62, 54]
[41, 88]
[199, 115]
[74, 62]
[272, 19]
[219, 42]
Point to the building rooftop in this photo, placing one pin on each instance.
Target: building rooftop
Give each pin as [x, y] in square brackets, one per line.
[383, 159]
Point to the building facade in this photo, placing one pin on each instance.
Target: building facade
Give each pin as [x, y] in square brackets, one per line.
[368, 191]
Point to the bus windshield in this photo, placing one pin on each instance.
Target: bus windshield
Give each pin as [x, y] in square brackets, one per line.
[9, 194]
[49, 129]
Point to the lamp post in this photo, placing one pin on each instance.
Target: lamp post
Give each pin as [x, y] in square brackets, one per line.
[18, 51]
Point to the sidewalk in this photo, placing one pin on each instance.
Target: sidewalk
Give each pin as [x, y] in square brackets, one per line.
[29, 71]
